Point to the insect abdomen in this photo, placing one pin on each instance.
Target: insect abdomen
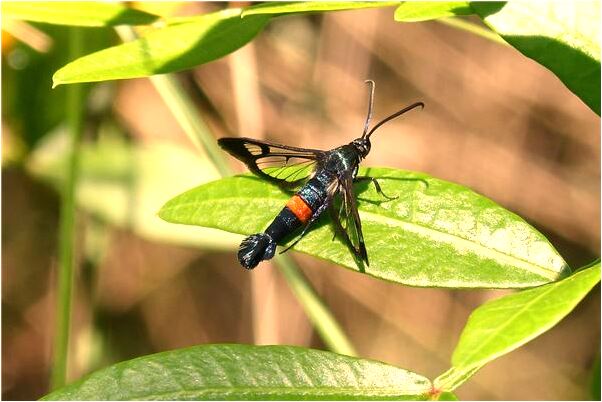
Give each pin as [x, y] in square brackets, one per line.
[299, 208]
[286, 222]
[262, 246]
[297, 212]
[256, 248]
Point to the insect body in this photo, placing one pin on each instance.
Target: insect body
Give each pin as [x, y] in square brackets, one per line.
[318, 177]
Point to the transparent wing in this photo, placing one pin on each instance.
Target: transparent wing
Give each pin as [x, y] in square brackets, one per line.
[347, 221]
[286, 166]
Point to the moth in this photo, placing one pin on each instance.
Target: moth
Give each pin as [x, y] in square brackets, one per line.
[318, 178]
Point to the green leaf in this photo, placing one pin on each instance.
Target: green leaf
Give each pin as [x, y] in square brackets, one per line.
[563, 36]
[243, 372]
[414, 11]
[503, 325]
[446, 396]
[275, 8]
[174, 48]
[87, 14]
[441, 235]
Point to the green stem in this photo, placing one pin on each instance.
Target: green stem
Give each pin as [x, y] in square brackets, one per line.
[185, 113]
[184, 110]
[318, 313]
[75, 100]
[190, 120]
[454, 377]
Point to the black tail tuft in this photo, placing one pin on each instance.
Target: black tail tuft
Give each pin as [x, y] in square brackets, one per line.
[256, 248]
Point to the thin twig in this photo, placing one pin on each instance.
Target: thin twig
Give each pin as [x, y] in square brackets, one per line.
[75, 111]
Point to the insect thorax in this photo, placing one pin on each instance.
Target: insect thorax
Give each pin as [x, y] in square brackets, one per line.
[342, 159]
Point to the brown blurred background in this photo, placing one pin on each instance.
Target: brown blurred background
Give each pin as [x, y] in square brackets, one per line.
[494, 121]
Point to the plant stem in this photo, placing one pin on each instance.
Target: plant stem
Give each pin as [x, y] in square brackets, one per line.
[190, 120]
[318, 313]
[185, 113]
[454, 377]
[75, 100]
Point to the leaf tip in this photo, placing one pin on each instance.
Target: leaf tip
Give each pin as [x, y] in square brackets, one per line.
[163, 213]
[56, 80]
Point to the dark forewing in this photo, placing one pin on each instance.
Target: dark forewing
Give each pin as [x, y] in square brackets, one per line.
[347, 220]
[286, 166]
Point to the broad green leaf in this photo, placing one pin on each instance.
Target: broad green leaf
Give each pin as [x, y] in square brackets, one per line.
[503, 325]
[563, 36]
[174, 48]
[243, 372]
[79, 13]
[414, 11]
[441, 235]
[275, 8]
[124, 183]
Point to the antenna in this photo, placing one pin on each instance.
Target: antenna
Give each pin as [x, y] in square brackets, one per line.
[394, 115]
[370, 104]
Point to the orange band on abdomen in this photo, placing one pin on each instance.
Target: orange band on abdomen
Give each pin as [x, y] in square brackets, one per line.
[300, 208]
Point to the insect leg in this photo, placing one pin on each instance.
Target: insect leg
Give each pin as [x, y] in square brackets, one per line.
[338, 226]
[378, 189]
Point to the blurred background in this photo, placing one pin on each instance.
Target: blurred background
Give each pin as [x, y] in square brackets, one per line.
[494, 121]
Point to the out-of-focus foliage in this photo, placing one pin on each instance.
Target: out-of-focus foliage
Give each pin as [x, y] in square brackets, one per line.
[562, 36]
[413, 11]
[29, 104]
[595, 380]
[188, 42]
[173, 48]
[125, 184]
[282, 8]
[76, 13]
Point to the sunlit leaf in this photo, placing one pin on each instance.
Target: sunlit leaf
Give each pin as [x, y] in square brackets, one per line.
[242, 372]
[441, 235]
[173, 48]
[79, 13]
[563, 36]
[447, 396]
[502, 325]
[414, 11]
[276, 8]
